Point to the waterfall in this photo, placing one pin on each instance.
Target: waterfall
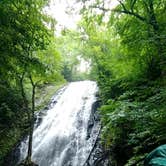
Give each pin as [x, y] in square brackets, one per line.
[61, 138]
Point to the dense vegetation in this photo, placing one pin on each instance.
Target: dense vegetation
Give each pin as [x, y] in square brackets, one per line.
[128, 54]
[28, 60]
[126, 47]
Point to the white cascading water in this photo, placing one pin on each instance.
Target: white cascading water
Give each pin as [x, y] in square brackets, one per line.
[61, 138]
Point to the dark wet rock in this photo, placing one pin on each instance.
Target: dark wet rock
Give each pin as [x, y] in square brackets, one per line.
[46, 108]
[98, 156]
[94, 118]
[28, 164]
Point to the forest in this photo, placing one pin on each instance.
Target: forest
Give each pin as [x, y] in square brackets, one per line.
[125, 49]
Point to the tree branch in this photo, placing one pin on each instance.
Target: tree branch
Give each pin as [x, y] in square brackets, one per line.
[125, 10]
[132, 13]
[122, 4]
[132, 5]
[101, 8]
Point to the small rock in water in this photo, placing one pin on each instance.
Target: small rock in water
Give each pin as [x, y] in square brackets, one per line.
[27, 164]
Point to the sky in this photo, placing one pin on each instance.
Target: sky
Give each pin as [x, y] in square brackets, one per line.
[58, 8]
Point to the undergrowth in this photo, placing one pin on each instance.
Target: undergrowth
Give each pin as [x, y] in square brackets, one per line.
[134, 122]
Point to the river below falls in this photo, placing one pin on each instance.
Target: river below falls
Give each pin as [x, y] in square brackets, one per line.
[61, 136]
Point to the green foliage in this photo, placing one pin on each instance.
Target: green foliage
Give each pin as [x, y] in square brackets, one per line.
[128, 57]
[11, 118]
[134, 123]
[70, 46]
[27, 54]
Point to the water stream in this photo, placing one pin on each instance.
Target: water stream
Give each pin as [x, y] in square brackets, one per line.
[61, 134]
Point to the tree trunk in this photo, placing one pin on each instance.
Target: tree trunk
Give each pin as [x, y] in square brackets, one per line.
[31, 122]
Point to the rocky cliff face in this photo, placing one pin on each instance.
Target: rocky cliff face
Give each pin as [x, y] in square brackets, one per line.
[98, 156]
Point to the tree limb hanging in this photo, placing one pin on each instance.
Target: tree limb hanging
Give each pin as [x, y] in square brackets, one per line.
[132, 13]
[132, 5]
[125, 10]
